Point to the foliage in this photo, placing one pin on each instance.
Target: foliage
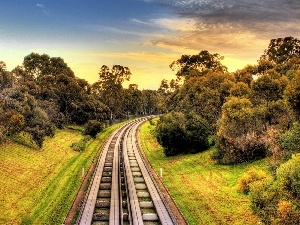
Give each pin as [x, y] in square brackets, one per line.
[248, 178]
[204, 191]
[269, 87]
[180, 133]
[190, 65]
[81, 145]
[290, 140]
[21, 113]
[93, 127]
[109, 87]
[292, 92]
[202, 94]
[277, 201]
[281, 50]
[240, 132]
[44, 92]
[240, 90]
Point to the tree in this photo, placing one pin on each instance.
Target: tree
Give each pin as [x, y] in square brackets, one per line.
[246, 75]
[292, 93]
[281, 50]
[179, 133]
[93, 127]
[240, 132]
[269, 86]
[40, 65]
[24, 115]
[241, 90]
[6, 78]
[150, 102]
[109, 88]
[188, 65]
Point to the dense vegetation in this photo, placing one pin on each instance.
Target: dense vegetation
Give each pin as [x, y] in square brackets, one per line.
[250, 114]
[44, 94]
[206, 192]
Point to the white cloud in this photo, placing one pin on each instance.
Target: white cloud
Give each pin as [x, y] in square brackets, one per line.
[42, 8]
[175, 24]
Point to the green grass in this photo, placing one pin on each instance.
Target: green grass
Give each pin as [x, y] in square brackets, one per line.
[38, 186]
[205, 192]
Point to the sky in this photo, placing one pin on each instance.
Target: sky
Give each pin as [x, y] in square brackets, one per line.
[144, 35]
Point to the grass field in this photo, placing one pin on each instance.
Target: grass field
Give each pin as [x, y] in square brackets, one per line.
[205, 192]
[38, 186]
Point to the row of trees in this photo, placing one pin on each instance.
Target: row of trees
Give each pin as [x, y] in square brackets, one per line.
[44, 94]
[246, 116]
[249, 114]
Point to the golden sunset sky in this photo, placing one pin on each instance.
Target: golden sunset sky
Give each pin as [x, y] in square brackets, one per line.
[144, 35]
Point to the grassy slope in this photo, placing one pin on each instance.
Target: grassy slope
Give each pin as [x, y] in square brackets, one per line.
[38, 186]
[205, 192]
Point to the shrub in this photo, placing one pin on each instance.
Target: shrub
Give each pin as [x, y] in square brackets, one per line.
[290, 140]
[180, 133]
[264, 199]
[248, 178]
[278, 201]
[93, 127]
[170, 133]
[79, 146]
[243, 148]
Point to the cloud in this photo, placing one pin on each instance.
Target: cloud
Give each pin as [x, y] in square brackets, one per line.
[175, 24]
[239, 28]
[42, 8]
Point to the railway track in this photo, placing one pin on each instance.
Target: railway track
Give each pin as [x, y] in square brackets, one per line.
[122, 190]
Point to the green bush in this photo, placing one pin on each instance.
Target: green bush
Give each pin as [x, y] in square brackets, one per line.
[79, 146]
[179, 133]
[290, 140]
[248, 178]
[243, 148]
[93, 127]
[278, 201]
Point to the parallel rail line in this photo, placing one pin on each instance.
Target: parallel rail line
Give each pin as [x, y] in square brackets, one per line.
[122, 190]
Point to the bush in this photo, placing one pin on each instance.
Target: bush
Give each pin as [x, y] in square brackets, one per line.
[278, 201]
[264, 199]
[79, 146]
[243, 148]
[290, 140]
[248, 178]
[170, 133]
[93, 127]
[179, 133]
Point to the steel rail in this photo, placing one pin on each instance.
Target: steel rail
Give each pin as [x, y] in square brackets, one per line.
[120, 167]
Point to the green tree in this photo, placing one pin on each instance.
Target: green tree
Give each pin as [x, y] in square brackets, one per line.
[6, 78]
[188, 65]
[25, 115]
[246, 74]
[93, 127]
[40, 65]
[281, 50]
[292, 93]
[179, 133]
[269, 87]
[240, 132]
[240, 90]
[109, 88]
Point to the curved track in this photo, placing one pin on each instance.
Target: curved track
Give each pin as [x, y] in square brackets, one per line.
[122, 190]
